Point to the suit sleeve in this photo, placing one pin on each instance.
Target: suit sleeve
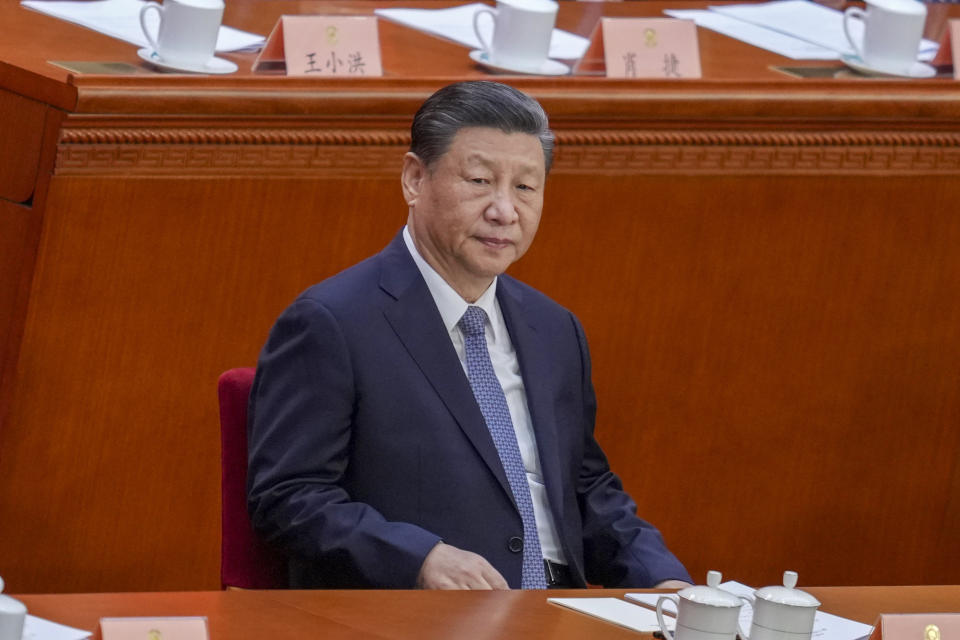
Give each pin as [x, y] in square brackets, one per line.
[301, 409]
[620, 549]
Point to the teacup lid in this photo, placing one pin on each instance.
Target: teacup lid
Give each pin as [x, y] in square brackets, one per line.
[908, 7]
[710, 594]
[787, 594]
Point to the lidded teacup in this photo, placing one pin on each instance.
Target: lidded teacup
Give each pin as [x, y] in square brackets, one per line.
[783, 612]
[704, 612]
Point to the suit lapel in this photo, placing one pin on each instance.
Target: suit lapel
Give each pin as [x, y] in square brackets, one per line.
[533, 351]
[413, 315]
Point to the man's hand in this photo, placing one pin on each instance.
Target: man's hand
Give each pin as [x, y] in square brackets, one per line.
[447, 567]
[672, 584]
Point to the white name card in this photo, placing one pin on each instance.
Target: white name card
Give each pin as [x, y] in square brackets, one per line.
[642, 48]
[174, 628]
[650, 48]
[322, 46]
[917, 626]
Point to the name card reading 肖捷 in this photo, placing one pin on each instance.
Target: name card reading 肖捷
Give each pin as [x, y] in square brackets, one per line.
[650, 48]
[323, 46]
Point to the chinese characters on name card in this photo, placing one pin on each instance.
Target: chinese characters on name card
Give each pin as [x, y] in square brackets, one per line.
[331, 46]
[650, 48]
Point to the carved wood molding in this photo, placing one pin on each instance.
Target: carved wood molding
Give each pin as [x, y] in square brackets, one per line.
[235, 136]
[700, 138]
[342, 152]
[228, 160]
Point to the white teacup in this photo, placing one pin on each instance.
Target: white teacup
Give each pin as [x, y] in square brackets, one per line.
[187, 35]
[783, 613]
[703, 612]
[12, 616]
[891, 34]
[521, 33]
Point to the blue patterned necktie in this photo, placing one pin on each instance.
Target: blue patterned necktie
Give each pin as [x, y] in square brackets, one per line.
[493, 406]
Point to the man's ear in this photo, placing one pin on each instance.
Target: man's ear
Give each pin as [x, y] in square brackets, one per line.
[412, 177]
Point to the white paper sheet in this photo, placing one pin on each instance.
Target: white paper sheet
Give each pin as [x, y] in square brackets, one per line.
[121, 19]
[613, 610]
[778, 43]
[808, 21]
[826, 626]
[650, 600]
[35, 628]
[456, 23]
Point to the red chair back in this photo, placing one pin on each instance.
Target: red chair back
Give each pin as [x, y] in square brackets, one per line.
[246, 561]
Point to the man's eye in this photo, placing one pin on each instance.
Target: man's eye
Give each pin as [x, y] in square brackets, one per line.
[479, 181]
[524, 187]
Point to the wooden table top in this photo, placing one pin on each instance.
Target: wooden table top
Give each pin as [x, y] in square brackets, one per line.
[423, 615]
[414, 65]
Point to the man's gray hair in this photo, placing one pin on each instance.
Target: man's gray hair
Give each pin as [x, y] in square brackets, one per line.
[478, 103]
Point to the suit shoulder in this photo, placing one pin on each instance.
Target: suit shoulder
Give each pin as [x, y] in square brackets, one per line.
[533, 299]
[346, 289]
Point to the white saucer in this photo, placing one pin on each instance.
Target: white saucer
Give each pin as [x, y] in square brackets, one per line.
[213, 65]
[548, 68]
[918, 70]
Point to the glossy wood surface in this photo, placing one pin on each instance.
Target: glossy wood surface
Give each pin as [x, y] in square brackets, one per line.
[403, 56]
[766, 269]
[421, 615]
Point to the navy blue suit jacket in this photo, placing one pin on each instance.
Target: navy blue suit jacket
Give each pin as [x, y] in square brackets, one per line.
[367, 446]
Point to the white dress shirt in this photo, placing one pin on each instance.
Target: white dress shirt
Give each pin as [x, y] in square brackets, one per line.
[507, 368]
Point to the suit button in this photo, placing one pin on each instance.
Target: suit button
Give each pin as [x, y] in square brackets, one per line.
[515, 544]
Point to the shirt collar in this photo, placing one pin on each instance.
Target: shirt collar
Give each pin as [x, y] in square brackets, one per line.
[449, 303]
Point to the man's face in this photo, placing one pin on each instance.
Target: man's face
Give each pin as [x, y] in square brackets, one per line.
[476, 210]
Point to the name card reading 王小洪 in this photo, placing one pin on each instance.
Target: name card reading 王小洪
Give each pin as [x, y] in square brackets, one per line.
[650, 48]
[323, 46]
[172, 628]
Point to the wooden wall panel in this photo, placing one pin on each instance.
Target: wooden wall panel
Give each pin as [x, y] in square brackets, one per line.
[776, 360]
[21, 128]
[777, 363]
[19, 228]
[148, 290]
[766, 269]
[28, 132]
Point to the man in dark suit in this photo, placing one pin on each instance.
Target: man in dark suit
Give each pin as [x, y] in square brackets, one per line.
[421, 419]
